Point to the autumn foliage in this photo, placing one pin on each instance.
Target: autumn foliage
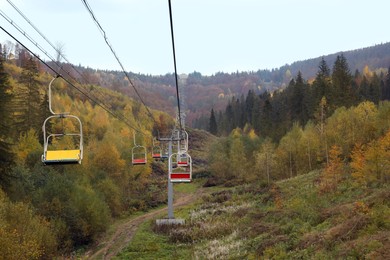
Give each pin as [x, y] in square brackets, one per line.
[47, 211]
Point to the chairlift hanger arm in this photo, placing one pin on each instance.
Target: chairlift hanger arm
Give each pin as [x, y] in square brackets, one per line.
[50, 97]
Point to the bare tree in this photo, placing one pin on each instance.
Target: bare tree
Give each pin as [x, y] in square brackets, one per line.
[60, 51]
[8, 49]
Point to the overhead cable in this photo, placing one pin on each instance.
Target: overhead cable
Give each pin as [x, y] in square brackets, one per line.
[89, 9]
[43, 51]
[174, 63]
[72, 85]
[47, 40]
[95, 100]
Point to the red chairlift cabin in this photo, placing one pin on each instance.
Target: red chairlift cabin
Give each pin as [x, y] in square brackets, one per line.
[156, 151]
[138, 154]
[180, 173]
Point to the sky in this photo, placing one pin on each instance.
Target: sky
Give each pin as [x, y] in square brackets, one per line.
[210, 35]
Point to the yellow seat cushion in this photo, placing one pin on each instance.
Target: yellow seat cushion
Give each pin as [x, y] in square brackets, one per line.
[63, 155]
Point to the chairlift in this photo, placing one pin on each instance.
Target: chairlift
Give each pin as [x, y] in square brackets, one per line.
[156, 151]
[182, 159]
[52, 156]
[138, 154]
[165, 152]
[180, 173]
[184, 141]
[182, 149]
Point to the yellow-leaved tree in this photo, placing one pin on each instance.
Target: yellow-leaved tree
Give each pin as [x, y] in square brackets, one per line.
[238, 161]
[289, 151]
[27, 144]
[358, 163]
[332, 173]
[266, 160]
[108, 159]
[24, 235]
[371, 164]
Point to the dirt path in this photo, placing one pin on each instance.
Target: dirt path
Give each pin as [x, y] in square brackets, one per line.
[125, 232]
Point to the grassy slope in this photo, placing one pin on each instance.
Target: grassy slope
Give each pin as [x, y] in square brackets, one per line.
[291, 219]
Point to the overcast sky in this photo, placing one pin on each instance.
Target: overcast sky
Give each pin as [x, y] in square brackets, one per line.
[210, 35]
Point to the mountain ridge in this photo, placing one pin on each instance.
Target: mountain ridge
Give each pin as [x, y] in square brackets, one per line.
[201, 93]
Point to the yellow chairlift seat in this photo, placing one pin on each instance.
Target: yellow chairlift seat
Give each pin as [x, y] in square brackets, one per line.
[71, 156]
[62, 157]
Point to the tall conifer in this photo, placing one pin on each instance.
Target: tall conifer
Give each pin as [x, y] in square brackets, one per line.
[29, 97]
[5, 122]
[343, 94]
[213, 123]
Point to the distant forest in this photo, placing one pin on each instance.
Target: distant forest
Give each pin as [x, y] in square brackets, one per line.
[272, 114]
[49, 212]
[217, 90]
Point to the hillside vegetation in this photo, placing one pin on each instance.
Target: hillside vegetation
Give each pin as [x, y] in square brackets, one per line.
[46, 211]
[310, 196]
[290, 219]
[272, 114]
[203, 92]
[319, 191]
[301, 173]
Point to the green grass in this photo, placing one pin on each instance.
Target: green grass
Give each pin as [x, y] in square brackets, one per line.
[188, 188]
[148, 245]
[291, 219]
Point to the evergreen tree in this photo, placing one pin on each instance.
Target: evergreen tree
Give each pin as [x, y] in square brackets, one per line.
[374, 89]
[266, 115]
[342, 94]
[220, 123]
[29, 98]
[299, 108]
[322, 82]
[249, 102]
[242, 115]
[386, 87]
[6, 156]
[229, 118]
[44, 113]
[213, 128]
[256, 112]
[363, 89]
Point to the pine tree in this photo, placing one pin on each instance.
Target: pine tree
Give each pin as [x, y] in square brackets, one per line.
[386, 87]
[299, 104]
[229, 118]
[256, 112]
[322, 82]
[266, 115]
[342, 94]
[29, 98]
[374, 89]
[5, 98]
[6, 156]
[250, 99]
[213, 123]
[44, 113]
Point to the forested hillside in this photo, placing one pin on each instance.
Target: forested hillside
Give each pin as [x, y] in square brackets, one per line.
[201, 92]
[318, 191]
[46, 211]
[321, 192]
[272, 114]
[329, 133]
[310, 171]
